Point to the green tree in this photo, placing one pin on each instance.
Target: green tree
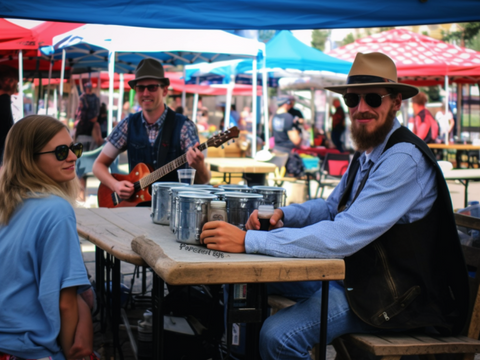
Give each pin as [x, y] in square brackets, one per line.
[350, 38]
[468, 35]
[266, 35]
[319, 37]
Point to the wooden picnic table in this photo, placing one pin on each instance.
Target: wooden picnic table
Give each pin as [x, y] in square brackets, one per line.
[121, 230]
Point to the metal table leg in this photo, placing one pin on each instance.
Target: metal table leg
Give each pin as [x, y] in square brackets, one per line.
[323, 320]
[157, 321]
[116, 306]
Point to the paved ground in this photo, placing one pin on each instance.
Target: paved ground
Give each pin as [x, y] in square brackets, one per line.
[103, 342]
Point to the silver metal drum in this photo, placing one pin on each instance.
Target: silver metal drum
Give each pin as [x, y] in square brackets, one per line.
[201, 186]
[272, 195]
[239, 188]
[227, 186]
[221, 194]
[174, 191]
[160, 212]
[240, 206]
[193, 214]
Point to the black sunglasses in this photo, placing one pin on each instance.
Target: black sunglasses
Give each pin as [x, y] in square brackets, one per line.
[150, 88]
[373, 100]
[61, 151]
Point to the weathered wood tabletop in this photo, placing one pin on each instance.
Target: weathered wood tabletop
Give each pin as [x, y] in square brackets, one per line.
[120, 230]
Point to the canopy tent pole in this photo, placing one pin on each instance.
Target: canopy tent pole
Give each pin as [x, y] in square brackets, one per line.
[447, 96]
[254, 109]
[120, 98]
[62, 74]
[20, 81]
[48, 86]
[265, 103]
[111, 70]
[228, 101]
[184, 94]
[195, 103]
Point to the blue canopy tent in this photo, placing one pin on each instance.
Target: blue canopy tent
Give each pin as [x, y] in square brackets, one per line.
[284, 51]
[121, 48]
[247, 14]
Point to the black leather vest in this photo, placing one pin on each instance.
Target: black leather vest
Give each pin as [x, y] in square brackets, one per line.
[140, 150]
[414, 275]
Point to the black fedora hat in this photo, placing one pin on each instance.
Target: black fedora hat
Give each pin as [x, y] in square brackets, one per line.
[149, 69]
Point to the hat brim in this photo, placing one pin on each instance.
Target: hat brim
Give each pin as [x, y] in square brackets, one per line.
[407, 91]
[164, 80]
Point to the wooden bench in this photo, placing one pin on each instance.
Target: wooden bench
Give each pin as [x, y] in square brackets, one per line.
[393, 347]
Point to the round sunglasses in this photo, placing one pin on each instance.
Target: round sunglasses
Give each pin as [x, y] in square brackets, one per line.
[61, 151]
[373, 100]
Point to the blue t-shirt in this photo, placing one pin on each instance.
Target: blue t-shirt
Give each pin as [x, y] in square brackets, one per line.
[40, 256]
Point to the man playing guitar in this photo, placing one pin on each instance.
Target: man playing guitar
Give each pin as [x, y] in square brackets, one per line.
[154, 136]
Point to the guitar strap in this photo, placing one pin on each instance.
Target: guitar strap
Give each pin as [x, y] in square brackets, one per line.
[167, 133]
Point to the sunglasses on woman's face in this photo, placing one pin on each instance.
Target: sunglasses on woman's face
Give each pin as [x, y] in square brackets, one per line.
[372, 99]
[61, 151]
[150, 88]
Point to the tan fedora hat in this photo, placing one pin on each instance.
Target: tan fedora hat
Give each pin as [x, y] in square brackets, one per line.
[149, 69]
[374, 69]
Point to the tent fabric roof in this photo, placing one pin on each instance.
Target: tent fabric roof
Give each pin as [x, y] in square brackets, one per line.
[415, 54]
[89, 46]
[247, 14]
[14, 37]
[284, 51]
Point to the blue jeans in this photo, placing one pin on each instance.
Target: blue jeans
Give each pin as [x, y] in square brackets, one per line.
[292, 332]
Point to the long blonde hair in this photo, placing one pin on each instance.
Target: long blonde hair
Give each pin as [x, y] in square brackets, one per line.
[20, 177]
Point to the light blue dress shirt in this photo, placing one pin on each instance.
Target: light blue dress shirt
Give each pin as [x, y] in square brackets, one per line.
[401, 189]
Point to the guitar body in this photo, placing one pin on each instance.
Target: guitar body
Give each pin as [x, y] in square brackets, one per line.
[143, 176]
[107, 198]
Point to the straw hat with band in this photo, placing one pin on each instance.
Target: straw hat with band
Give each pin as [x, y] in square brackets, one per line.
[374, 70]
[149, 69]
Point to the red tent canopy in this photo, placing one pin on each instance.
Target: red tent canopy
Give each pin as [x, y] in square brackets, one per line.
[14, 37]
[416, 55]
[45, 32]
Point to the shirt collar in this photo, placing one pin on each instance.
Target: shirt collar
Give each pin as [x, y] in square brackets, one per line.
[378, 150]
[160, 120]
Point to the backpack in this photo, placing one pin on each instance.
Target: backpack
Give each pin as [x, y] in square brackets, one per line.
[295, 166]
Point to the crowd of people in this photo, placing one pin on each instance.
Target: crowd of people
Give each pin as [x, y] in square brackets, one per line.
[376, 212]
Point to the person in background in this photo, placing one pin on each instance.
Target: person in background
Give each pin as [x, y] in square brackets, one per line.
[338, 125]
[103, 120]
[179, 110]
[285, 132]
[390, 218]
[147, 133]
[88, 130]
[8, 86]
[42, 314]
[295, 112]
[446, 122]
[425, 126]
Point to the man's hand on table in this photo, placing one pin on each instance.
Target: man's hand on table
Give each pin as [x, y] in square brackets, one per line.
[275, 221]
[222, 236]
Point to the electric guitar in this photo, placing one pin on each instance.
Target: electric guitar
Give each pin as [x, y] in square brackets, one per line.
[142, 177]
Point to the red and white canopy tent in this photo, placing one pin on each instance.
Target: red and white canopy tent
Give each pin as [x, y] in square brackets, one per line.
[420, 60]
[415, 55]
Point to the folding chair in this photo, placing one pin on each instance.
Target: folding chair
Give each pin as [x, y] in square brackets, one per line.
[333, 168]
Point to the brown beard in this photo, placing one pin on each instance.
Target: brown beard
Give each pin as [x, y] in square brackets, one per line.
[365, 140]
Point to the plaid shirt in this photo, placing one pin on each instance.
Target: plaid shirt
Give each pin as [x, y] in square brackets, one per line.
[119, 135]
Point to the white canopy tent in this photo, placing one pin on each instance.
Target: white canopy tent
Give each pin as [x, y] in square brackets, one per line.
[120, 48]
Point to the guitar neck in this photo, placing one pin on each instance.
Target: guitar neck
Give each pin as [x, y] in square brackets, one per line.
[164, 170]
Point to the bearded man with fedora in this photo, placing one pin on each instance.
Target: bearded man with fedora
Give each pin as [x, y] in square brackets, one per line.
[391, 220]
[154, 136]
